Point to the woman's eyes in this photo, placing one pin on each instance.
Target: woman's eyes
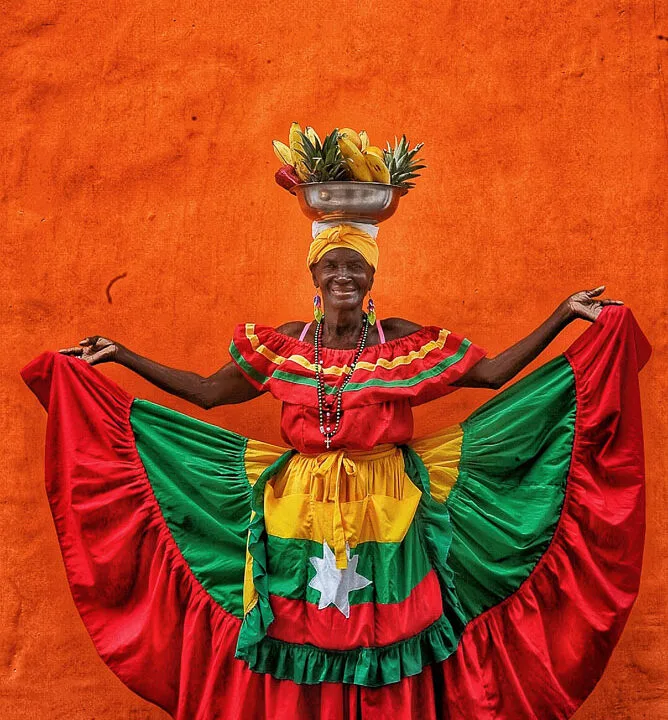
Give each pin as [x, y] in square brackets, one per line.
[354, 268]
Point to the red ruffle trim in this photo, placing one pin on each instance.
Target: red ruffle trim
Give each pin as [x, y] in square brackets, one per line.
[538, 654]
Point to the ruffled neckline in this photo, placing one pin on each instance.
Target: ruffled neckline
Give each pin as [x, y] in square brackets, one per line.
[416, 338]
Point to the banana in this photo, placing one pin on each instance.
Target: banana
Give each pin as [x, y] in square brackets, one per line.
[352, 136]
[374, 150]
[283, 152]
[355, 160]
[294, 138]
[377, 167]
[312, 135]
[297, 145]
[364, 139]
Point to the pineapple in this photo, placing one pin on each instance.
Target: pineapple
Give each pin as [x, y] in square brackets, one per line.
[323, 161]
[402, 163]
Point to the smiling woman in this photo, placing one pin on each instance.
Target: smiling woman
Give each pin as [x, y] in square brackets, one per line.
[358, 572]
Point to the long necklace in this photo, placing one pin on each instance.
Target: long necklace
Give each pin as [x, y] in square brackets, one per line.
[326, 407]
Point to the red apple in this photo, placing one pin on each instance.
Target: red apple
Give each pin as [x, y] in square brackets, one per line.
[287, 178]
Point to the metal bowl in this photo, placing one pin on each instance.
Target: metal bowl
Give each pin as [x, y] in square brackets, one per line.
[367, 202]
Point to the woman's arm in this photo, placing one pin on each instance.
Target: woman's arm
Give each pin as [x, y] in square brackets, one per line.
[226, 386]
[495, 372]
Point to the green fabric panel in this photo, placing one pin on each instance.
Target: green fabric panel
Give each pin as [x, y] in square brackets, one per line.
[396, 568]
[258, 618]
[198, 476]
[506, 503]
[370, 667]
[435, 528]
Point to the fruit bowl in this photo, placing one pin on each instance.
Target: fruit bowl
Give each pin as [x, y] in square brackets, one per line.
[365, 202]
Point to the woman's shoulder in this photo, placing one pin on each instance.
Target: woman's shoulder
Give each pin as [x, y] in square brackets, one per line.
[292, 329]
[396, 328]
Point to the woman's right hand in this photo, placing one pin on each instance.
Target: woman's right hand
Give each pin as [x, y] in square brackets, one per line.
[94, 349]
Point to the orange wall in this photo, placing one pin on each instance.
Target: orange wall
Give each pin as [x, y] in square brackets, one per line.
[137, 142]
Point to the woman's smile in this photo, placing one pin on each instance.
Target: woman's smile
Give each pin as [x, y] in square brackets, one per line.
[343, 289]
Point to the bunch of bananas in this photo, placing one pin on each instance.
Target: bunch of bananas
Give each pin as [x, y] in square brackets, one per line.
[344, 155]
[365, 161]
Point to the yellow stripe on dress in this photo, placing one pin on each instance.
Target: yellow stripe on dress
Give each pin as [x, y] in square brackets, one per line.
[440, 454]
[300, 360]
[342, 498]
[258, 457]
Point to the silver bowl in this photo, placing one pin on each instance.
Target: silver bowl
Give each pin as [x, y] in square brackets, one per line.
[367, 202]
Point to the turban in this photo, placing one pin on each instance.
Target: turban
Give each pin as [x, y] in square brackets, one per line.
[355, 236]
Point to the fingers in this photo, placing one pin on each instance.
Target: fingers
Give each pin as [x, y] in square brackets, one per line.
[80, 351]
[597, 291]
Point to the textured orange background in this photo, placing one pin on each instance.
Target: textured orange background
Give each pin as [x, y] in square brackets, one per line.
[136, 142]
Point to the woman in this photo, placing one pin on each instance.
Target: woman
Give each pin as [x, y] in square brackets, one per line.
[362, 573]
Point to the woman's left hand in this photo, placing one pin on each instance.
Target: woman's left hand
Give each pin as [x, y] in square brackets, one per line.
[584, 305]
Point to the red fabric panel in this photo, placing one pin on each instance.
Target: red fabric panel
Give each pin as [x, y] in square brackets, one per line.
[361, 428]
[540, 653]
[369, 625]
[150, 620]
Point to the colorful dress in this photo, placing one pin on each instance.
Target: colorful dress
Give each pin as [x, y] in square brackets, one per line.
[483, 572]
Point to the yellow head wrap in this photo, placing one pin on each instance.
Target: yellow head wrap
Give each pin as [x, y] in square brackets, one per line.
[344, 236]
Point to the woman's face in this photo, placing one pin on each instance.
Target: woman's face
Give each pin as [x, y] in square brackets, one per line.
[344, 278]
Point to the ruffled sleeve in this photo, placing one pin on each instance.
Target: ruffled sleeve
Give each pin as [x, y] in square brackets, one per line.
[449, 363]
[421, 366]
[258, 351]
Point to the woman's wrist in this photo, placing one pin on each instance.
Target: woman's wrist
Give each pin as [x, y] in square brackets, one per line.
[563, 315]
[122, 355]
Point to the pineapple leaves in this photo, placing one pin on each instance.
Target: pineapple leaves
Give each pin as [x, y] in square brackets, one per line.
[402, 163]
[323, 160]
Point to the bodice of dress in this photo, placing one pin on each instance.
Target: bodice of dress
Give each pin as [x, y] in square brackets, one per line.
[389, 379]
[361, 428]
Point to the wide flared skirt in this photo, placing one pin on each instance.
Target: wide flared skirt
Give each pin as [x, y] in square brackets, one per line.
[495, 580]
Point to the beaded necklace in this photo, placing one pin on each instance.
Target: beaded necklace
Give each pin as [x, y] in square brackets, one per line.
[328, 407]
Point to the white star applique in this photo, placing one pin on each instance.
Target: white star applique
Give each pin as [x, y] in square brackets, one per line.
[334, 584]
